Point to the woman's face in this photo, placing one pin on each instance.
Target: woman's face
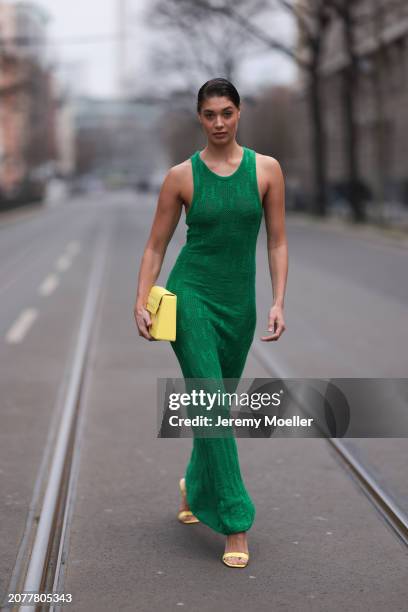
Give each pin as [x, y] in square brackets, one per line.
[219, 117]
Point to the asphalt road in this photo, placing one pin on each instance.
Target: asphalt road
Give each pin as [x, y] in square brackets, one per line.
[317, 543]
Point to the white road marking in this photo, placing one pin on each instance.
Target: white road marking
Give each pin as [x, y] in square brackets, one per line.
[63, 262]
[21, 326]
[73, 247]
[49, 284]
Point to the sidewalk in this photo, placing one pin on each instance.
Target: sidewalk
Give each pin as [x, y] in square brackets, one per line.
[367, 231]
[26, 211]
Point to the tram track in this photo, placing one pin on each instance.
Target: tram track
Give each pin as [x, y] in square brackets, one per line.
[40, 559]
[383, 502]
[388, 508]
[45, 567]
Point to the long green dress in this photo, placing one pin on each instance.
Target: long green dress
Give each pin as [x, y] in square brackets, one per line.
[214, 280]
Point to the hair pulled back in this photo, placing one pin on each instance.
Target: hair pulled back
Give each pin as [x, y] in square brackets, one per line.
[217, 87]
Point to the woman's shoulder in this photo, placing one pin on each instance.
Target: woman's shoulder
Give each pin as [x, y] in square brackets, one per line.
[184, 168]
[181, 170]
[180, 175]
[267, 161]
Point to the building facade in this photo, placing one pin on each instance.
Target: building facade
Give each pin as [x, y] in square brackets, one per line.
[26, 108]
[380, 45]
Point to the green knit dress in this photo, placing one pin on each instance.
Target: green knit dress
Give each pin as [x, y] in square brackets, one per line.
[214, 280]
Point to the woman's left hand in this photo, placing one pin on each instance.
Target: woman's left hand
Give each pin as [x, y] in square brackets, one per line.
[276, 324]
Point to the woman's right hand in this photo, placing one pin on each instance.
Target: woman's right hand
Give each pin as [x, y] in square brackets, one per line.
[143, 321]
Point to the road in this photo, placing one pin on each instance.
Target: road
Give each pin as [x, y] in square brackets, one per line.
[316, 544]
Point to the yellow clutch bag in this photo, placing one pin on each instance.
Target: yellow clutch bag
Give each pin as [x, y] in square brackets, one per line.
[162, 305]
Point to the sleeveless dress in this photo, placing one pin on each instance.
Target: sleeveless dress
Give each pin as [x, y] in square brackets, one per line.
[214, 280]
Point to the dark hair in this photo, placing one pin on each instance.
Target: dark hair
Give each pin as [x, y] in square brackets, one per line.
[217, 87]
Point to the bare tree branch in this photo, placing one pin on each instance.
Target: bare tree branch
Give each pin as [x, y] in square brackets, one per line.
[229, 10]
[211, 41]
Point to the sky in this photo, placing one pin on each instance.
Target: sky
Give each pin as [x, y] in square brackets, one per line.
[86, 42]
[87, 49]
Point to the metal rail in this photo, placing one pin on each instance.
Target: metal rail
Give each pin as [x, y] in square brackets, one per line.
[388, 508]
[55, 497]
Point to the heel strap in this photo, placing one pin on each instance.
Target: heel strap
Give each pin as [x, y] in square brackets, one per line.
[184, 513]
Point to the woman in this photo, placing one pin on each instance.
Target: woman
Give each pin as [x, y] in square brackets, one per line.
[225, 189]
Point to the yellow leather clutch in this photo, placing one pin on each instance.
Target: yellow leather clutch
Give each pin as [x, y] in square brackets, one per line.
[162, 305]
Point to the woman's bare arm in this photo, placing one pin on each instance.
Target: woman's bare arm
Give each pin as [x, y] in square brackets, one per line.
[166, 218]
[274, 211]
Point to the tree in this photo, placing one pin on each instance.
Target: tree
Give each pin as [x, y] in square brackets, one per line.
[200, 44]
[342, 9]
[313, 18]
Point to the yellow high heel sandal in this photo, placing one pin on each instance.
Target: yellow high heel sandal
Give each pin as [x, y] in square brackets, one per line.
[185, 516]
[227, 555]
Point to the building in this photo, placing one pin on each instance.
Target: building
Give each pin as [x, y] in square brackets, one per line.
[119, 138]
[26, 140]
[380, 45]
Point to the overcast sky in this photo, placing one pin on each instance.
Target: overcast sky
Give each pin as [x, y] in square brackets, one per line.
[86, 32]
